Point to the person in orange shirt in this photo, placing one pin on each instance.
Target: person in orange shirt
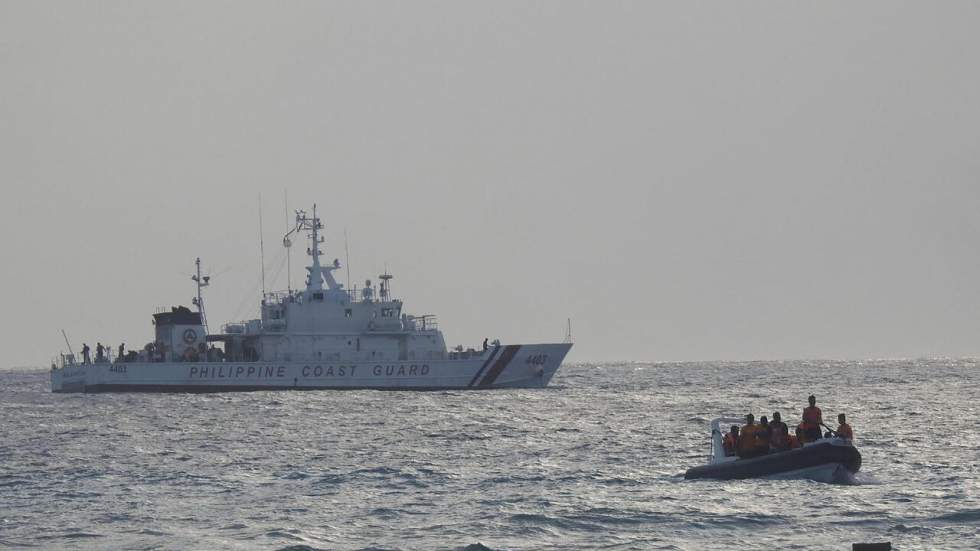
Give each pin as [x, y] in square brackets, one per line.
[844, 430]
[809, 429]
[730, 441]
[746, 439]
[763, 436]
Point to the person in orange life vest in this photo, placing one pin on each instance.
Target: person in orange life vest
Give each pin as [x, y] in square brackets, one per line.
[778, 434]
[730, 441]
[762, 436]
[844, 430]
[746, 439]
[812, 419]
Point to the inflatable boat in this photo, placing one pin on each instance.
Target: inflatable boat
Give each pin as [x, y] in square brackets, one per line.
[826, 460]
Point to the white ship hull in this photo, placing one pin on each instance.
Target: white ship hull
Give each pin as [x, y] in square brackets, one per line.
[511, 366]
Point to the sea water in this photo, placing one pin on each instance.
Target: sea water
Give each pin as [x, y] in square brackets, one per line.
[595, 461]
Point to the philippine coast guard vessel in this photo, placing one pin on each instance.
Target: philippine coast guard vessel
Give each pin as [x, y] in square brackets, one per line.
[322, 337]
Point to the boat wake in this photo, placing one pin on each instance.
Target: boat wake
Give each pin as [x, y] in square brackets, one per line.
[865, 479]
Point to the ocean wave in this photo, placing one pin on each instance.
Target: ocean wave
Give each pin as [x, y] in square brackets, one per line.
[594, 461]
[563, 523]
[458, 436]
[385, 513]
[283, 533]
[70, 536]
[963, 516]
[473, 547]
[904, 529]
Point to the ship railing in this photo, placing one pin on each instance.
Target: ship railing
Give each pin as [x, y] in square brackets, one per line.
[428, 322]
[274, 297]
[65, 360]
[355, 296]
[243, 327]
[469, 353]
[70, 360]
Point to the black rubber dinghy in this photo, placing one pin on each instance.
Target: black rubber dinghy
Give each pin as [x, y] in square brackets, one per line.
[813, 455]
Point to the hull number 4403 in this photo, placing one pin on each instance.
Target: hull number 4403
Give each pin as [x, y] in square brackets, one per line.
[537, 359]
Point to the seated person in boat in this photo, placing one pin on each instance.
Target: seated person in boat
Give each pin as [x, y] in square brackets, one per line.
[730, 441]
[809, 429]
[778, 434]
[763, 436]
[748, 445]
[843, 429]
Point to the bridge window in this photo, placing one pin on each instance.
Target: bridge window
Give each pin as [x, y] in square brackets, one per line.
[386, 312]
[348, 313]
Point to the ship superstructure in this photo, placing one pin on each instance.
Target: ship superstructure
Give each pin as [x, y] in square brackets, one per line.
[323, 336]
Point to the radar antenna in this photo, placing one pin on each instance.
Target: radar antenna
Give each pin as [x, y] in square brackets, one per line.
[202, 282]
[312, 225]
[385, 285]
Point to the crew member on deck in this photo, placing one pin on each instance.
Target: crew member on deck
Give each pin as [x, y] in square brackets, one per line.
[809, 429]
[844, 430]
[730, 441]
[485, 341]
[85, 354]
[119, 357]
[99, 351]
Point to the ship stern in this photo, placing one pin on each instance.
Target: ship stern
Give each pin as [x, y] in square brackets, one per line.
[68, 379]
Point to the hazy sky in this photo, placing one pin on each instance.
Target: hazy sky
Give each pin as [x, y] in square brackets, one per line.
[684, 180]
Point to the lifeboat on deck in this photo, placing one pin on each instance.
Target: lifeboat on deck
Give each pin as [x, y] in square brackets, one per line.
[826, 460]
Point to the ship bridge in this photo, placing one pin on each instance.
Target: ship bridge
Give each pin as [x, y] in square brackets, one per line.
[325, 320]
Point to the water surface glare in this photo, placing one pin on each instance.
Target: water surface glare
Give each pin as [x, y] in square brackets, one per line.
[594, 461]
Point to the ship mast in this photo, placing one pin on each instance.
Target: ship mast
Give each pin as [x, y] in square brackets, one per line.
[316, 279]
[311, 224]
[202, 282]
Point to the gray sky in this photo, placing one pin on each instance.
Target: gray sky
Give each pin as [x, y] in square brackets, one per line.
[684, 180]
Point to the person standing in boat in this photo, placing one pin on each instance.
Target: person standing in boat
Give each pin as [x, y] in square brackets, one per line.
[843, 429]
[809, 429]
